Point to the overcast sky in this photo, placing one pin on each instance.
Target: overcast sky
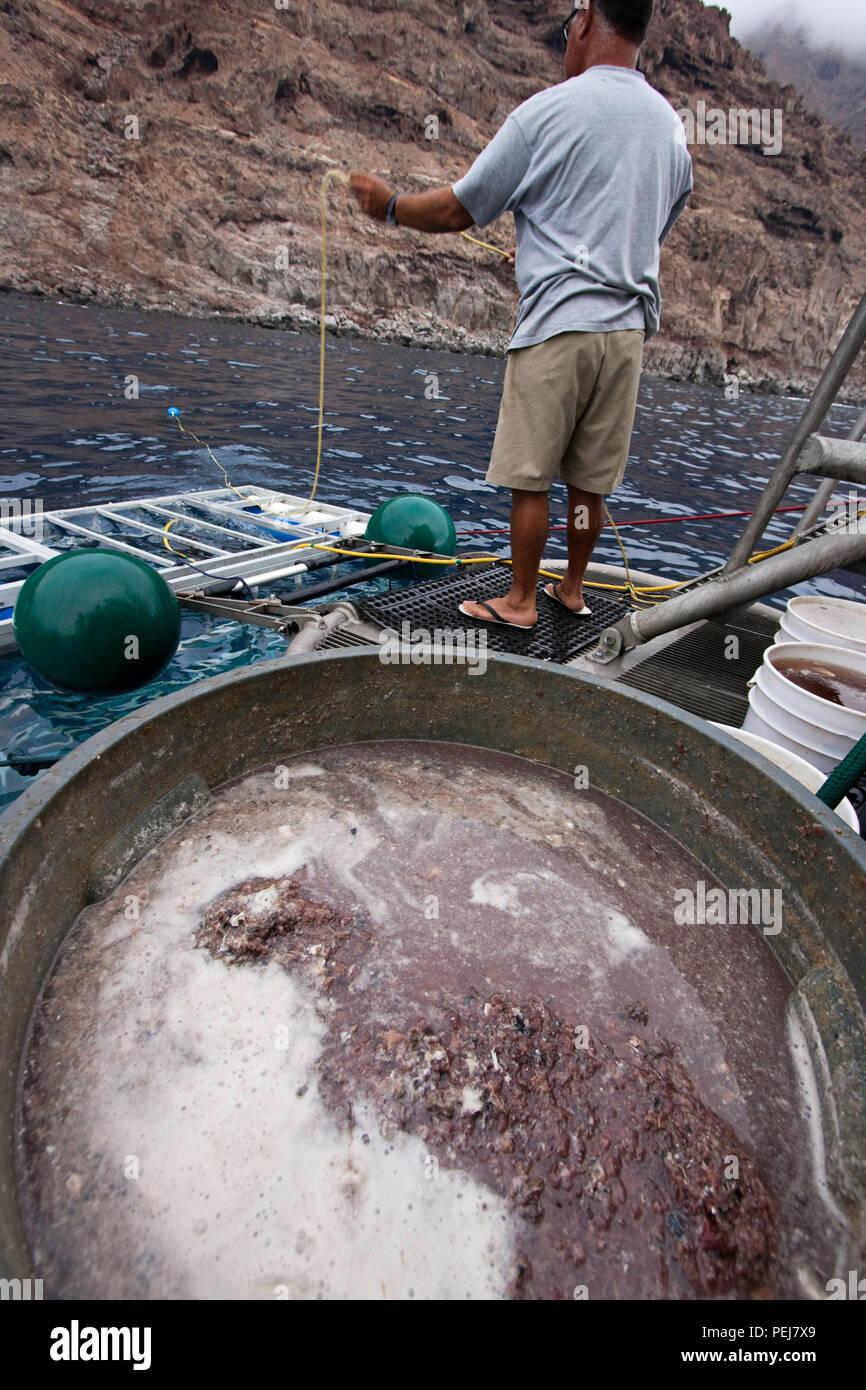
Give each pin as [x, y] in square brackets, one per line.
[840, 23]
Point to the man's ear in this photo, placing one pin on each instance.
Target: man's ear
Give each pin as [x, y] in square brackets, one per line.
[585, 20]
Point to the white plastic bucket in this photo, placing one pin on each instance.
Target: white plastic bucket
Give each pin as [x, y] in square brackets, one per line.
[754, 724]
[797, 767]
[776, 716]
[836, 622]
[808, 725]
[824, 714]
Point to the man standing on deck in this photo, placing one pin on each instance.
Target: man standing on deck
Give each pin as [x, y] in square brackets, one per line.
[596, 171]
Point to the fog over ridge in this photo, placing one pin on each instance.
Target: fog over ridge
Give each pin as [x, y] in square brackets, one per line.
[836, 24]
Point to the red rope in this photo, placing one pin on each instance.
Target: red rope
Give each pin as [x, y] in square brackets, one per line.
[645, 521]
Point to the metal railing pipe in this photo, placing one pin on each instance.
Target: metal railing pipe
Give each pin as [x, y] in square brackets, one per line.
[818, 505]
[839, 459]
[811, 420]
[746, 585]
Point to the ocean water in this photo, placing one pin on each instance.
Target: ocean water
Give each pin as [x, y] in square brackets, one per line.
[399, 419]
[68, 435]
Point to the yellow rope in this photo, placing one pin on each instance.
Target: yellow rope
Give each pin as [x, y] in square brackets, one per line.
[390, 555]
[420, 559]
[635, 591]
[487, 246]
[242, 495]
[765, 554]
[629, 585]
[343, 178]
[202, 445]
[167, 543]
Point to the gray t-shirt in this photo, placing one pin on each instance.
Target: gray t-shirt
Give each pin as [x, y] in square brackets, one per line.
[596, 171]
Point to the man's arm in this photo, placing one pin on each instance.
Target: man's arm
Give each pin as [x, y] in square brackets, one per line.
[491, 187]
[436, 211]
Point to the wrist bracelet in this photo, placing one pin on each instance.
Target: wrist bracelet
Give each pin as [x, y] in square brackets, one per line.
[391, 214]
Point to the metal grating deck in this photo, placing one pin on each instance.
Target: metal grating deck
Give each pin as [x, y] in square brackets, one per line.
[435, 604]
[340, 639]
[695, 674]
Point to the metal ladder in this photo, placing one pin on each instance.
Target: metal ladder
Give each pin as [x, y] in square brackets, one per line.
[818, 546]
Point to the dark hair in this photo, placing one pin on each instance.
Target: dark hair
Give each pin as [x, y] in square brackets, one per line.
[630, 18]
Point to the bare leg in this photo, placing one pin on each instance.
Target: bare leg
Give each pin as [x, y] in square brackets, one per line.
[530, 526]
[585, 522]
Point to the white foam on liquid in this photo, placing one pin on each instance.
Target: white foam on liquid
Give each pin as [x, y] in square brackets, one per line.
[245, 1188]
[623, 939]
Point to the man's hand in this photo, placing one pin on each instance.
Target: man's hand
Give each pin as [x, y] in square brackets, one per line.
[435, 211]
[373, 194]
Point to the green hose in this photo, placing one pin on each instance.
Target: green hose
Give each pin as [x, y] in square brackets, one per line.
[845, 776]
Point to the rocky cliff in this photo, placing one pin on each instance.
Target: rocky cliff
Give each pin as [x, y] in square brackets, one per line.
[170, 154]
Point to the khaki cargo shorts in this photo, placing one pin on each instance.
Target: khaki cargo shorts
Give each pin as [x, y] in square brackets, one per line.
[568, 411]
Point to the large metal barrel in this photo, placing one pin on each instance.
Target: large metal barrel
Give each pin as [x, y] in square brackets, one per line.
[74, 834]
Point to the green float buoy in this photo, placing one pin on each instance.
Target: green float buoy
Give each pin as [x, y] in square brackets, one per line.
[97, 620]
[413, 522]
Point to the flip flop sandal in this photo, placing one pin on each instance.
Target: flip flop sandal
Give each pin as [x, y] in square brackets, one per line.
[495, 620]
[583, 612]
